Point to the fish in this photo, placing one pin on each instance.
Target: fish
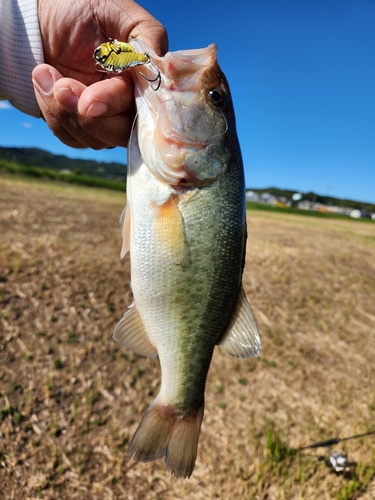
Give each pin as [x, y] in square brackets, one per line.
[185, 227]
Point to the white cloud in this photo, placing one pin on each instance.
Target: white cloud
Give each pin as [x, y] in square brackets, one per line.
[27, 125]
[5, 105]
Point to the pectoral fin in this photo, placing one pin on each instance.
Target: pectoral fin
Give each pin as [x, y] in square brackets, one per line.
[242, 338]
[131, 333]
[125, 231]
[170, 230]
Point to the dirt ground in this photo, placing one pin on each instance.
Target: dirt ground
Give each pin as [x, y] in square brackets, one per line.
[71, 398]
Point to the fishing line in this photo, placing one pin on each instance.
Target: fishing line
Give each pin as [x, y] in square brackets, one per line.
[130, 17]
[96, 21]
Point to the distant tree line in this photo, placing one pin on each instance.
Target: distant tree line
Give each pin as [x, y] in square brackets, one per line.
[34, 157]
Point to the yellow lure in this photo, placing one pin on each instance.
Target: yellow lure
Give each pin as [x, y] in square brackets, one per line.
[116, 57]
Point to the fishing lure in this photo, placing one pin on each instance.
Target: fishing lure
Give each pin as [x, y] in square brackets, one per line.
[116, 57]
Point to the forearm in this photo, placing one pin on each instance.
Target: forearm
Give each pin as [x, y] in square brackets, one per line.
[20, 51]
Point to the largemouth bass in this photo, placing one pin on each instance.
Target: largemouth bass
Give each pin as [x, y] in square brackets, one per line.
[185, 227]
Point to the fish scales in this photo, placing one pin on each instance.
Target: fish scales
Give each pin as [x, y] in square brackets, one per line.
[185, 226]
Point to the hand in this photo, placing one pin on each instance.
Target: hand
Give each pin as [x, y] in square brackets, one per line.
[82, 106]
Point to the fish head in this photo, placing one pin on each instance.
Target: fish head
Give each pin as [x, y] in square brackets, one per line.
[186, 126]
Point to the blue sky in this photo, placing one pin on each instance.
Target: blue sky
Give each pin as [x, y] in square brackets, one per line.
[302, 75]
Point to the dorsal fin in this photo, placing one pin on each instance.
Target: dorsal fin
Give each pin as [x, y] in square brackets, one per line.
[131, 333]
[242, 338]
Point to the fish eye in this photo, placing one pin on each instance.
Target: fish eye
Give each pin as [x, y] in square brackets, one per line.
[101, 58]
[218, 97]
[97, 53]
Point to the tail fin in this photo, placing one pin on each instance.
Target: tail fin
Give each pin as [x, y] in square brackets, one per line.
[165, 432]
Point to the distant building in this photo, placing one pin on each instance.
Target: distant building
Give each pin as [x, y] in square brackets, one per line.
[356, 214]
[252, 196]
[268, 198]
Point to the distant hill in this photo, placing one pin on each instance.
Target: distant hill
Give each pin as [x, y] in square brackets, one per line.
[310, 196]
[35, 157]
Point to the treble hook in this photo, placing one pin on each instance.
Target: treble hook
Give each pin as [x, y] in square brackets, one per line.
[152, 80]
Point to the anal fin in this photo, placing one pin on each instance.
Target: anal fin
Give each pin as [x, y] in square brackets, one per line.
[242, 338]
[131, 333]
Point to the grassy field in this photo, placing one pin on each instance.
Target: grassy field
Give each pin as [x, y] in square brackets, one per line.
[71, 398]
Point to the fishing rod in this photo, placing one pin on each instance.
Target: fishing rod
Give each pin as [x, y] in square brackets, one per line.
[332, 441]
[338, 461]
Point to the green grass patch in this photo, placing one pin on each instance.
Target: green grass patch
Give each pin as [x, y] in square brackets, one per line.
[55, 175]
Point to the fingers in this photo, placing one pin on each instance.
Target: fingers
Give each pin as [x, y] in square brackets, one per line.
[98, 116]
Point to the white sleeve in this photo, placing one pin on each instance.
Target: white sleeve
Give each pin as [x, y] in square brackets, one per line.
[20, 51]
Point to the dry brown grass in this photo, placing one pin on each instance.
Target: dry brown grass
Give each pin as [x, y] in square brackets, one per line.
[71, 398]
